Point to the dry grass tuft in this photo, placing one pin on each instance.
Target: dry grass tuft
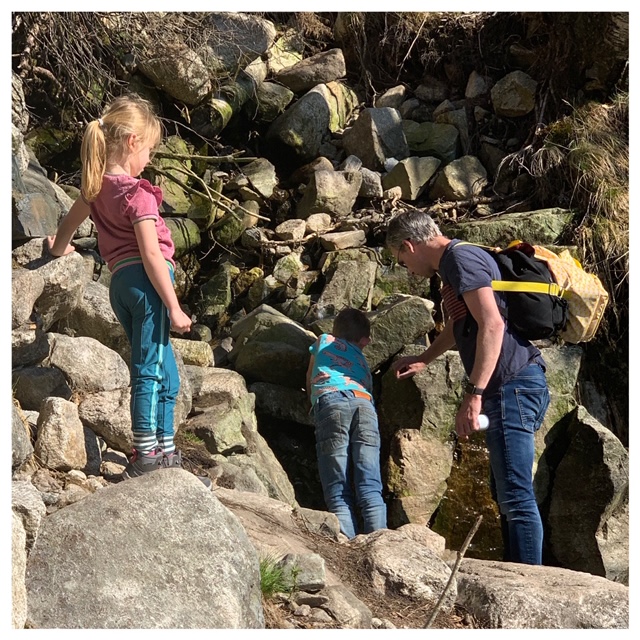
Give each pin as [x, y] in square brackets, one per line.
[588, 151]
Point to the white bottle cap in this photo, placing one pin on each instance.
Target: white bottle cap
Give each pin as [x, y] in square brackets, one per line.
[483, 421]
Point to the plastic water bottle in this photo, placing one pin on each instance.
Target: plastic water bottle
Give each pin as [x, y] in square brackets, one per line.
[483, 421]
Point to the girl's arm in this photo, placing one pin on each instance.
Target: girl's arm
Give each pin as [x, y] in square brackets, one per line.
[59, 244]
[158, 272]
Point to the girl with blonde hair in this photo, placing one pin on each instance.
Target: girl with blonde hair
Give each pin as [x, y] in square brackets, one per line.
[136, 244]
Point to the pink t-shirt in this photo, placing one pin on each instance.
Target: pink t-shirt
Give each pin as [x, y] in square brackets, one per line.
[123, 201]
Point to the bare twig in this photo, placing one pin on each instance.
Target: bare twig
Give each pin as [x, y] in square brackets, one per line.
[249, 213]
[409, 49]
[234, 157]
[454, 571]
[207, 195]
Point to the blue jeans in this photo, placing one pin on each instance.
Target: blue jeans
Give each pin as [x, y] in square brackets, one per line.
[515, 413]
[155, 381]
[348, 448]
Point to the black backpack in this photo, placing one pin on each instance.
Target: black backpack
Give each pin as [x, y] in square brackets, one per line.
[535, 306]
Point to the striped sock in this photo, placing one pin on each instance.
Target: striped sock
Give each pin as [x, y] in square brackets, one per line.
[167, 445]
[144, 442]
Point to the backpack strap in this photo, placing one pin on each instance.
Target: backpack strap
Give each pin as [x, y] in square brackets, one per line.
[552, 288]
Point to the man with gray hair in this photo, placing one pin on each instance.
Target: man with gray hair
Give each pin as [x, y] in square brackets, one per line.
[506, 373]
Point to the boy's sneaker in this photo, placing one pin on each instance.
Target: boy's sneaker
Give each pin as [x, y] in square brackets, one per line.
[174, 459]
[141, 463]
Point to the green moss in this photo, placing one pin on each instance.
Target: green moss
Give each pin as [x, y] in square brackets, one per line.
[396, 482]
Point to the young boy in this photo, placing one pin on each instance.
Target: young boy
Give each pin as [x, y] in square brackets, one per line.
[347, 437]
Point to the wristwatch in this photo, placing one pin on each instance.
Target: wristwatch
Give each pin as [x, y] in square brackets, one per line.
[471, 389]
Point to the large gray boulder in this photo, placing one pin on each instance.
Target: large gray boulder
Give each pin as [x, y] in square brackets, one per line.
[269, 102]
[461, 179]
[107, 413]
[88, 364]
[375, 137]
[29, 344]
[236, 39]
[60, 443]
[398, 323]
[542, 226]
[31, 385]
[158, 551]
[281, 403]
[332, 192]
[224, 418]
[428, 401]
[19, 111]
[588, 507]
[456, 118]
[177, 70]
[537, 597]
[93, 317]
[514, 95]
[64, 281]
[320, 68]
[266, 338]
[417, 471]
[19, 155]
[26, 287]
[411, 175]
[27, 504]
[18, 568]
[396, 562]
[21, 447]
[432, 139]
[38, 204]
[300, 131]
[350, 284]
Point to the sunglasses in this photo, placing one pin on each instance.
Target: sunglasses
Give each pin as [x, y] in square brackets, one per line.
[402, 248]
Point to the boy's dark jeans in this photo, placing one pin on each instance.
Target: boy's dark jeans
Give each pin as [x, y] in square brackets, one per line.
[348, 446]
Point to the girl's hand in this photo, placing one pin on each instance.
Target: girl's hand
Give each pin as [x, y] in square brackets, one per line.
[51, 240]
[180, 321]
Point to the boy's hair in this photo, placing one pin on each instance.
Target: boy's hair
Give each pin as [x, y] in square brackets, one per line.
[411, 224]
[351, 325]
[106, 138]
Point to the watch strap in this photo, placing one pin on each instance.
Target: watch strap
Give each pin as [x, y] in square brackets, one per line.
[471, 389]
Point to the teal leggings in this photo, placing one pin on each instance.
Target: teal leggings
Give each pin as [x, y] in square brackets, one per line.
[155, 382]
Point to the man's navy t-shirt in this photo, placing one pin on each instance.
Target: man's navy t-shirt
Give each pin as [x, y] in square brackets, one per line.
[466, 268]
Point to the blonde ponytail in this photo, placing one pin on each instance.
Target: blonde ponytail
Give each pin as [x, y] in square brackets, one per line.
[93, 155]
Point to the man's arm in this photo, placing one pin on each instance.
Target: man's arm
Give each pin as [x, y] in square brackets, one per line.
[482, 306]
[408, 366]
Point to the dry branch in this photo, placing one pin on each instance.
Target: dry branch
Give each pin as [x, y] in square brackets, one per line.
[454, 571]
[208, 196]
[234, 157]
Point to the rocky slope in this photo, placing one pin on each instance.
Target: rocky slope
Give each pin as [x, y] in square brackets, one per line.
[273, 237]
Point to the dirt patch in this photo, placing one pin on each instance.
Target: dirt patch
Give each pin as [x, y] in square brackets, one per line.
[402, 611]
